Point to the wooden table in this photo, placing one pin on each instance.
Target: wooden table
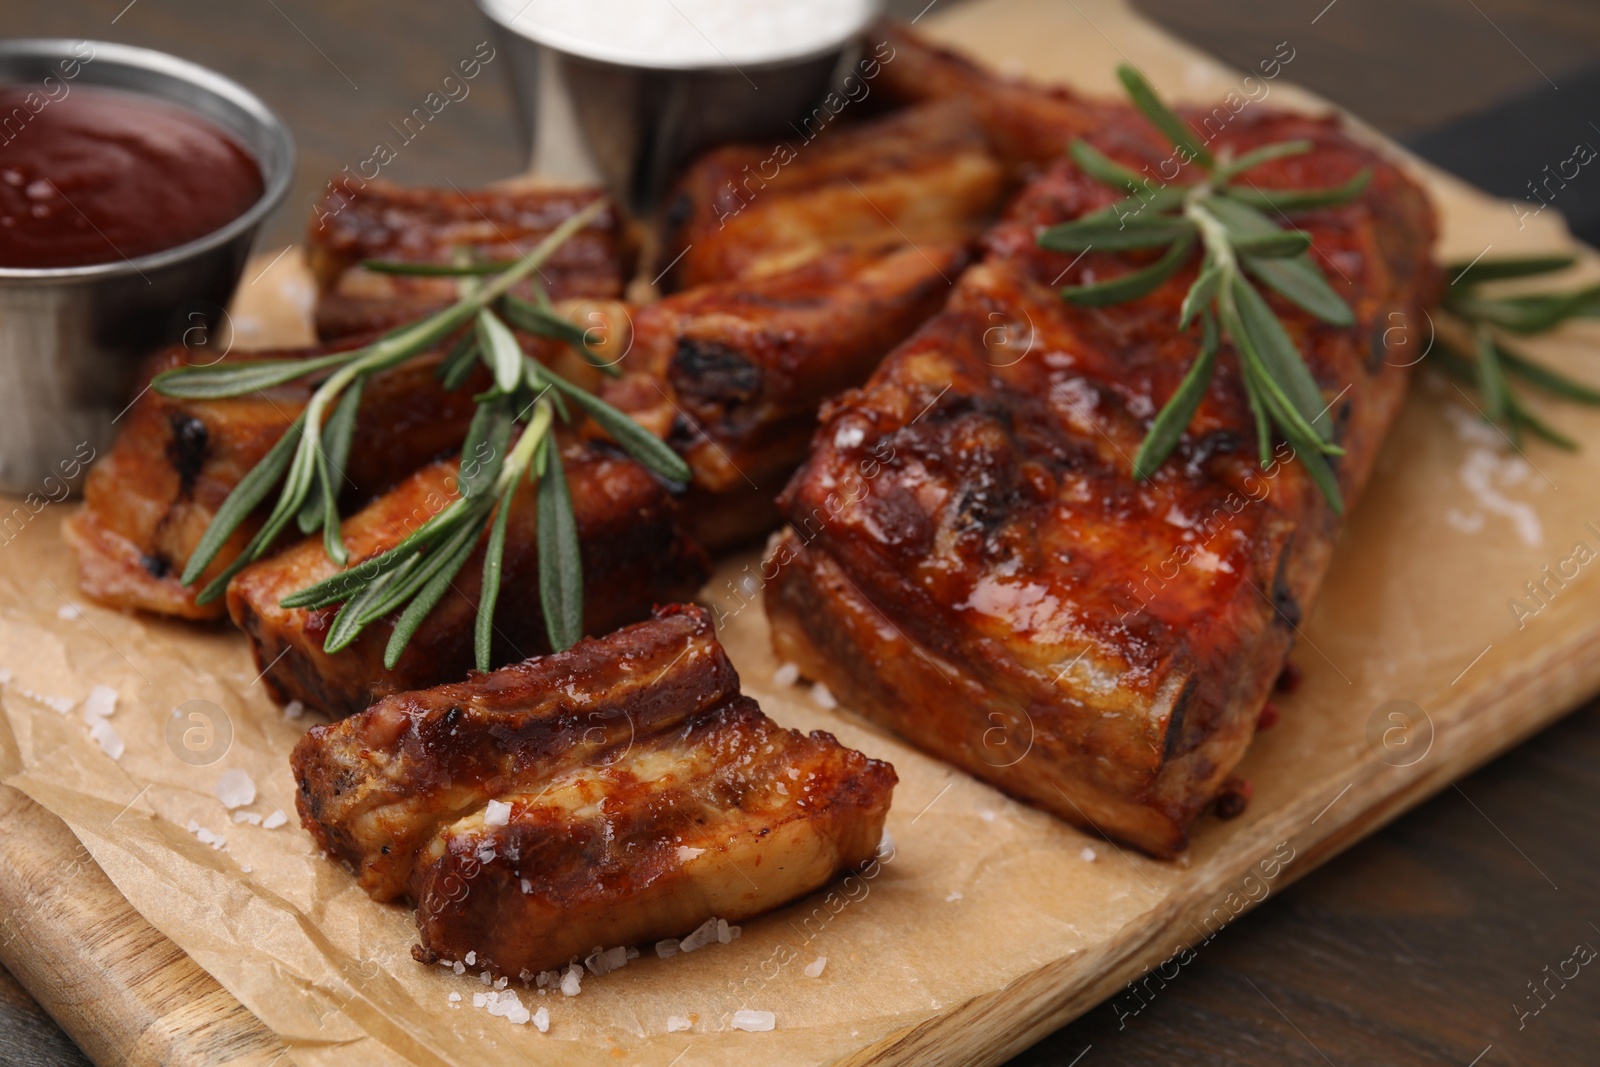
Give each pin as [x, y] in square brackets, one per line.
[1423, 938]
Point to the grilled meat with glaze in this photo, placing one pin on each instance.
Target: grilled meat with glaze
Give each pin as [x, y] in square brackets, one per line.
[618, 792]
[380, 220]
[731, 374]
[922, 177]
[972, 565]
[633, 553]
[149, 501]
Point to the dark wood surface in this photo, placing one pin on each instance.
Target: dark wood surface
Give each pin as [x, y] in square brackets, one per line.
[1419, 945]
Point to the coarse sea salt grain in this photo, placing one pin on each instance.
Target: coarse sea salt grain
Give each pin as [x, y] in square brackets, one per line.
[754, 1021]
[823, 695]
[814, 968]
[455, 998]
[5, 675]
[675, 1023]
[953, 897]
[726, 933]
[786, 675]
[235, 789]
[99, 704]
[667, 948]
[572, 981]
[472, 958]
[608, 960]
[685, 853]
[273, 821]
[541, 1020]
[106, 736]
[497, 813]
[703, 935]
[1088, 855]
[293, 710]
[206, 836]
[247, 816]
[68, 611]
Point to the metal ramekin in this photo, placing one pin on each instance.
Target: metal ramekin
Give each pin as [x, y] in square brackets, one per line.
[587, 116]
[71, 337]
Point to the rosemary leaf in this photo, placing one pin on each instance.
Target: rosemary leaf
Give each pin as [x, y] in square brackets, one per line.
[543, 320]
[1105, 170]
[353, 616]
[341, 586]
[560, 562]
[1201, 293]
[1307, 446]
[1162, 117]
[1301, 199]
[493, 562]
[1494, 270]
[456, 368]
[1155, 202]
[1527, 314]
[634, 439]
[337, 434]
[1491, 379]
[246, 496]
[1134, 284]
[1113, 235]
[1523, 417]
[501, 351]
[1274, 246]
[244, 376]
[1545, 378]
[483, 453]
[1175, 416]
[1256, 157]
[1263, 426]
[1270, 344]
[1298, 280]
[451, 556]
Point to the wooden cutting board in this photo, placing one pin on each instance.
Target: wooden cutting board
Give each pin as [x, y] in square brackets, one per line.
[992, 923]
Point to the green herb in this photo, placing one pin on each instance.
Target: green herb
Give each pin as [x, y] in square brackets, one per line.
[415, 574]
[1492, 365]
[1240, 246]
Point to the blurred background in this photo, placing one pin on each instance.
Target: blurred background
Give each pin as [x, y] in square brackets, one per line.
[1416, 943]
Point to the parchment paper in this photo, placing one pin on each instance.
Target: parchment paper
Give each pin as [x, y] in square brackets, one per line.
[979, 892]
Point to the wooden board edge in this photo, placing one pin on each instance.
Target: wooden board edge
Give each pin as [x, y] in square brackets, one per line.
[124, 992]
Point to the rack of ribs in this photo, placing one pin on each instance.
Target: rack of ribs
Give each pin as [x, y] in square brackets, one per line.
[615, 793]
[971, 564]
[380, 220]
[149, 500]
[633, 551]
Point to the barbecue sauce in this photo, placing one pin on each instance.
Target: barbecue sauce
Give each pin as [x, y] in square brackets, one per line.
[101, 176]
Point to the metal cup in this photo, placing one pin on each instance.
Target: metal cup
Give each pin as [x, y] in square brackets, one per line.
[587, 119]
[71, 337]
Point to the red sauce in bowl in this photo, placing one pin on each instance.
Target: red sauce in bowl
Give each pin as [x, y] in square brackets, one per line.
[99, 176]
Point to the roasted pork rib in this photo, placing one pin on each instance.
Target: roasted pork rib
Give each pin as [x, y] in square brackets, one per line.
[972, 564]
[614, 793]
[634, 557]
[149, 501]
[924, 176]
[380, 220]
[731, 374]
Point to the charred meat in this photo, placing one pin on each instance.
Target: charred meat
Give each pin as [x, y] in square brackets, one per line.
[972, 564]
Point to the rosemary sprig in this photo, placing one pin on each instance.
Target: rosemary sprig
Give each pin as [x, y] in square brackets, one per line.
[1240, 247]
[414, 575]
[1493, 365]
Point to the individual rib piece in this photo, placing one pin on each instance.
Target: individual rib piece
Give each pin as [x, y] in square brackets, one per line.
[973, 565]
[618, 792]
[633, 553]
[731, 374]
[1027, 124]
[149, 500]
[380, 220]
[922, 177]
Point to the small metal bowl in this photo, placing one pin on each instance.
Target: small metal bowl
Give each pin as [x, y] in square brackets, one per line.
[71, 337]
[590, 114]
